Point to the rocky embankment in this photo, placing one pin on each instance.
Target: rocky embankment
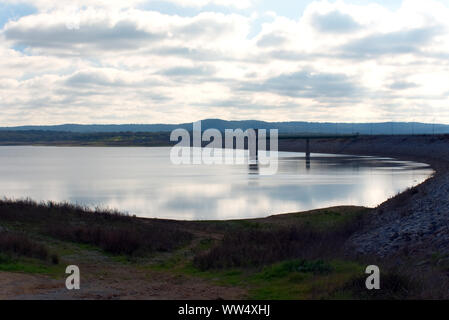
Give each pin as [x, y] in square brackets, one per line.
[416, 221]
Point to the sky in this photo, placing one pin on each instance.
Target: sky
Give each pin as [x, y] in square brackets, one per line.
[176, 61]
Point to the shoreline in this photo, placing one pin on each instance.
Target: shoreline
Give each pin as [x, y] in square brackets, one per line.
[409, 222]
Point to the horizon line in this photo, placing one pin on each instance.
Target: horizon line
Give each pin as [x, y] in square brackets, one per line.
[208, 119]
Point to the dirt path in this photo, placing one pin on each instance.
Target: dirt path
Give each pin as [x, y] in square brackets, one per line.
[16, 284]
[114, 283]
[103, 277]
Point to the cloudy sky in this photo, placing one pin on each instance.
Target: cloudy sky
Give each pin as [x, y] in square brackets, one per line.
[151, 61]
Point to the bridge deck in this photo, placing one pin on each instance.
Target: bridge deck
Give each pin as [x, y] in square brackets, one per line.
[340, 136]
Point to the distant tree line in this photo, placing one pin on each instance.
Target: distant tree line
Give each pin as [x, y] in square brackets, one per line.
[60, 138]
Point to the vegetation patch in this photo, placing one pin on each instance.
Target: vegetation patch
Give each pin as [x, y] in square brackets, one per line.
[302, 279]
[10, 263]
[18, 244]
[66, 138]
[302, 266]
[110, 230]
[257, 247]
[290, 279]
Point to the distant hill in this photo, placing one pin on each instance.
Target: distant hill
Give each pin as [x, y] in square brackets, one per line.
[283, 127]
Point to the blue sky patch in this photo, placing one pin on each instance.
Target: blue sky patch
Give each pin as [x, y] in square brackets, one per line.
[14, 11]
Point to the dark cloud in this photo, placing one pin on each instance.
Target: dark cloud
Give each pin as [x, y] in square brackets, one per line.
[123, 35]
[271, 40]
[199, 54]
[307, 85]
[209, 25]
[399, 42]
[335, 22]
[290, 55]
[81, 79]
[203, 54]
[188, 71]
[92, 78]
[401, 85]
[238, 103]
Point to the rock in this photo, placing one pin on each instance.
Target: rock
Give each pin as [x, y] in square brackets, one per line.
[421, 263]
[443, 262]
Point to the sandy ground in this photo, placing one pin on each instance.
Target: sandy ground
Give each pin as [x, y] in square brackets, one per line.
[136, 285]
[103, 278]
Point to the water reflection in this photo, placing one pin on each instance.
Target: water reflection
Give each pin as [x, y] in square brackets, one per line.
[308, 160]
[253, 168]
[142, 181]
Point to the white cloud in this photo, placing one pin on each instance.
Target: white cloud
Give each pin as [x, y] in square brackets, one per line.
[117, 30]
[102, 61]
[239, 4]
[61, 4]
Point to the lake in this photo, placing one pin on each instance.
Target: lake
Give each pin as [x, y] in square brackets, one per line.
[144, 182]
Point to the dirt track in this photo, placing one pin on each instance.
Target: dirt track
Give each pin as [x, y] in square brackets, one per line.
[103, 278]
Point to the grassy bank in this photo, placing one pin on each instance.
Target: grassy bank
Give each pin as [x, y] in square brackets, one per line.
[111, 231]
[292, 256]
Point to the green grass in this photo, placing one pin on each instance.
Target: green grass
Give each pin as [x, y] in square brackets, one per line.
[280, 270]
[326, 219]
[323, 219]
[302, 279]
[29, 265]
[291, 279]
[287, 280]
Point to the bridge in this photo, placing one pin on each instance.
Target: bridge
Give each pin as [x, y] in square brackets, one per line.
[316, 137]
[302, 137]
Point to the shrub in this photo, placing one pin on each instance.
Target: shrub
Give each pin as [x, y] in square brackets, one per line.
[282, 269]
[121, 239]
[19, 244]
[253, 248]
[111, 230]
[246, 248]
[54, 259]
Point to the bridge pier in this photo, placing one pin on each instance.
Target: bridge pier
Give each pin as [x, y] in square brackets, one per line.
[307, 148]
[257, 144]
[254, 152]
[307, 153]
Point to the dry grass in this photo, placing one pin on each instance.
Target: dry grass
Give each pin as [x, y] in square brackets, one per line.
[246, 248]
[110, 230]
[20, 245]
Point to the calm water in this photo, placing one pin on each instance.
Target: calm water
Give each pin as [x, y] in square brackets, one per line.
[143, 181]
